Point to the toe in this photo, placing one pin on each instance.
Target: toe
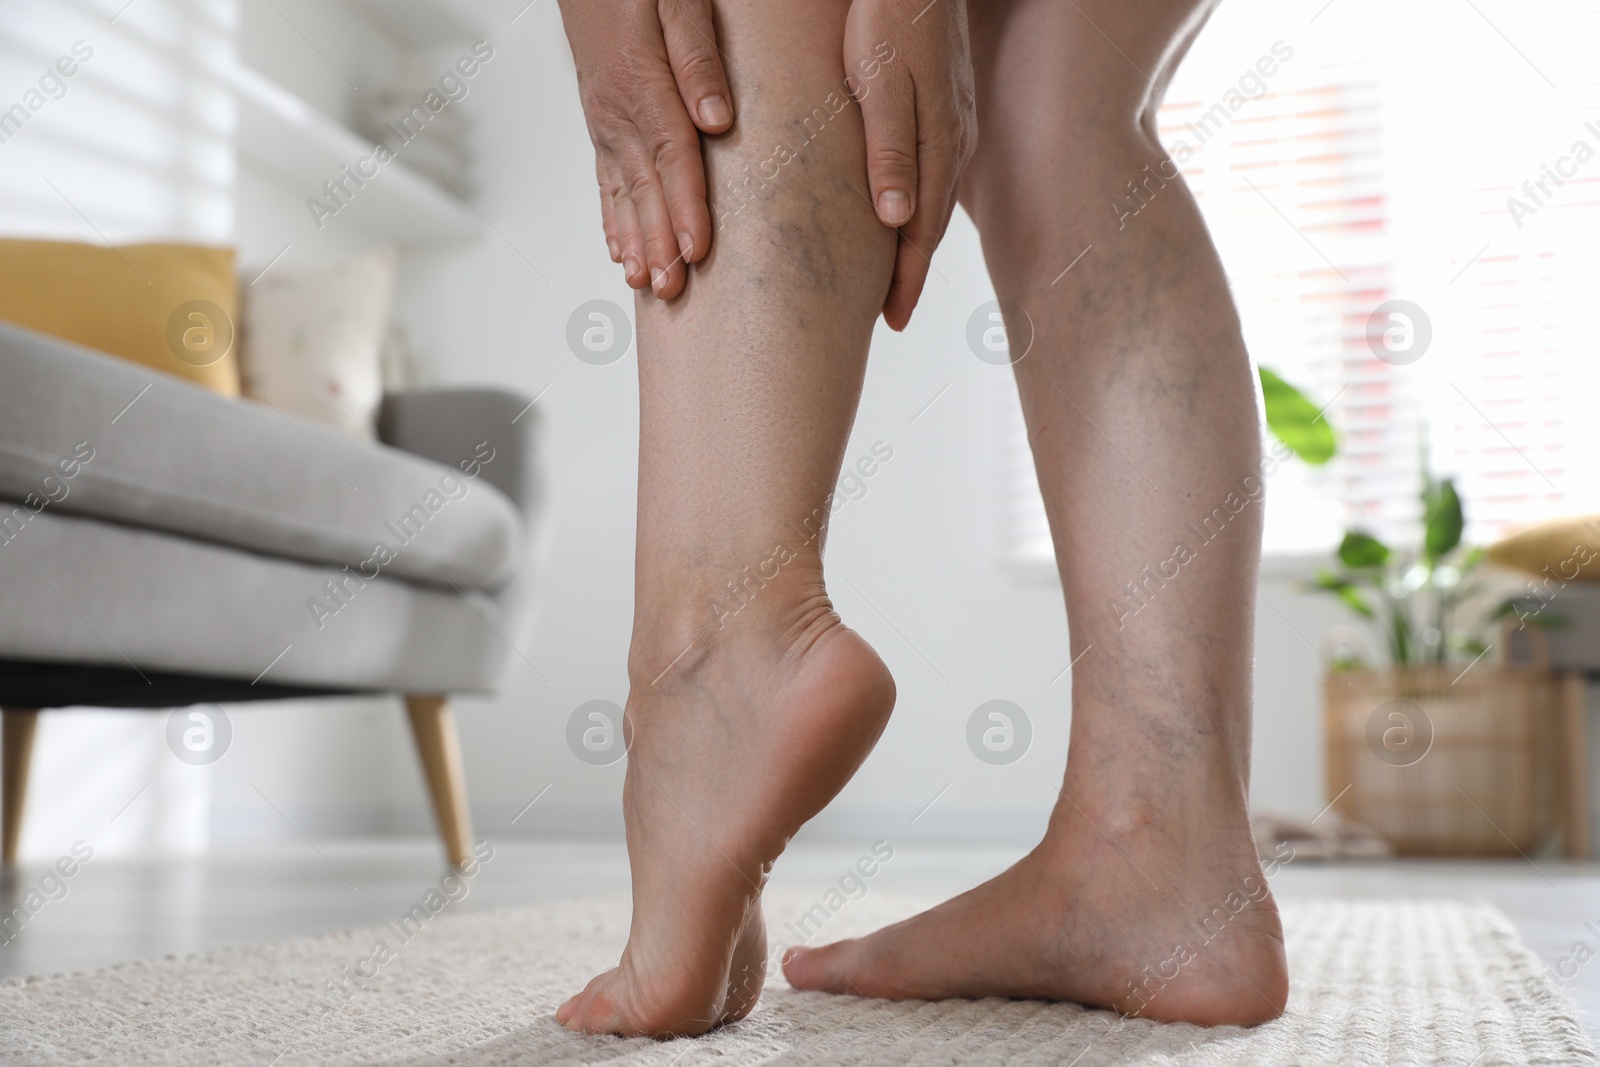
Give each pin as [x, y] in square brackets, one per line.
[570, 1014]
[577, 1012]
[600, 1014]
[827, 968]
[610, 1005]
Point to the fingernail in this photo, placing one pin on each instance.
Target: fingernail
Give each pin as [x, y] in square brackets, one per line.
[658, 278]
[686, 246]
[894, 207]
[630, 267]
[616, 249]
[714, 111]
[789, 954]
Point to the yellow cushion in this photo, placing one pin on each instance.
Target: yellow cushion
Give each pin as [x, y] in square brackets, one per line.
[1570, 548]
[171, 307]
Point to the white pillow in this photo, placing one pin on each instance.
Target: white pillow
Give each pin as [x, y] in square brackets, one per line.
[313, 337]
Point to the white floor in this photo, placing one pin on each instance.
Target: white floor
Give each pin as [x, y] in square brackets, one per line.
[117, 911]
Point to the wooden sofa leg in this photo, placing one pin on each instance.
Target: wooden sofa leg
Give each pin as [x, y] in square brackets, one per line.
[16, 749]
[433, 724]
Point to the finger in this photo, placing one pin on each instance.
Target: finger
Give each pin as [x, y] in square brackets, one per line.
[696, 64]
[910, 274]
[608, 214]
[634, 270]
[889, 112]
[661, 140]
[674, 147]
[664, 259]
[919, 237]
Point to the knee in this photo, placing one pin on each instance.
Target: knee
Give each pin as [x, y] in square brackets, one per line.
[1035, 198]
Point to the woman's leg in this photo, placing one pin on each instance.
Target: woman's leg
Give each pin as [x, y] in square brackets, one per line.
[751, 704]
[1146, 894]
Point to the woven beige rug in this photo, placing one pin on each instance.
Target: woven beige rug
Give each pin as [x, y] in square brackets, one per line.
[1400, 983]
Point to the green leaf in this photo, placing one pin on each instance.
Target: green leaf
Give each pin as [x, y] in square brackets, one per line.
[1502, 609]
[1399, 635]
[1356, 602]
[1442, 520]
[1362, 550]
[1346, 591]
[1296, 421]
[1550, 620]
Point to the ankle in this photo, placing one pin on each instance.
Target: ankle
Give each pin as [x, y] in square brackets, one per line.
[1172, 819]
[781, 609]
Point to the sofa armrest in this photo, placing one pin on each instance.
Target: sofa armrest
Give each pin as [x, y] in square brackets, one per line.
[446, 424]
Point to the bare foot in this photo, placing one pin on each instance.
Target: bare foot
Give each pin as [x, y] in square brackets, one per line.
[1159, 922]
[734, 748]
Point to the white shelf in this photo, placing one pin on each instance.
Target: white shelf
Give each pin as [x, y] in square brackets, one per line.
[301, 147]
[424, 23]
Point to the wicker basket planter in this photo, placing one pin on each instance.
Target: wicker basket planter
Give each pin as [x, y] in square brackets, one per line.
[1445, 761]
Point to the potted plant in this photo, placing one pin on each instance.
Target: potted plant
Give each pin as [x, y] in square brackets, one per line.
[1430, 746]
[1427, 744]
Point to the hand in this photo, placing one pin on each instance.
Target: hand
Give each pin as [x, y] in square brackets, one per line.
[650, 78]
[909, 65]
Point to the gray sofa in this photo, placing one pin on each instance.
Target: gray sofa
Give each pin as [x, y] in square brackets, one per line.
[162, 546]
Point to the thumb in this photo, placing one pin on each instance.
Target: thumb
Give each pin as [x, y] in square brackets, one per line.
[889, 112]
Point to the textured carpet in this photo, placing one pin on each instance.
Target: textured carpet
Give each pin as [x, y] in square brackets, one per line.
[1400, 983]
